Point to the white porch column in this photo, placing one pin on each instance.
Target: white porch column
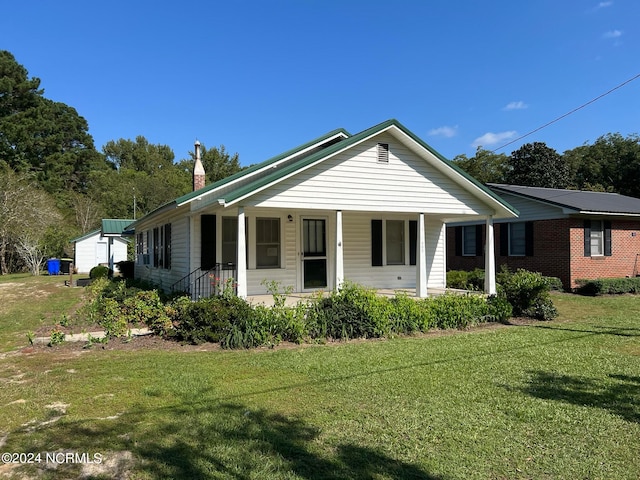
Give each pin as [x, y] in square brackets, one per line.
[339, 251]
[490, 259]
[242, 256]
[421, 260]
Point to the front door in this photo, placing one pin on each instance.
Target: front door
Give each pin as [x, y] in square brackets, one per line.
[314, 253]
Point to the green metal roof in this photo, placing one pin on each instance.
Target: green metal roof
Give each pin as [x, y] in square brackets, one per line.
[115, 226]
[254, 168]
[291, 167]
[305, 161]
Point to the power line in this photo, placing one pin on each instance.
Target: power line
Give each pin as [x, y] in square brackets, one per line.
[568, 113]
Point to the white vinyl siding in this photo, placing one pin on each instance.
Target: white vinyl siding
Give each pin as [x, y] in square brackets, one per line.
[355, 180]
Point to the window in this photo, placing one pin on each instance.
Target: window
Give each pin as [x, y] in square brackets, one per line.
[162, 246]
[267, 243]
[142, 246]
[383, 152]
[395, 242]
[229, 239]
[469, 240]
[597, 238]
[517, 239]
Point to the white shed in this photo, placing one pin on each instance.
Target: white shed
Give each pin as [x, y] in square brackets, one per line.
[105, 246]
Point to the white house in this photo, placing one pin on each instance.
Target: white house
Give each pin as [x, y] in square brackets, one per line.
[105, 246]
[369, 208]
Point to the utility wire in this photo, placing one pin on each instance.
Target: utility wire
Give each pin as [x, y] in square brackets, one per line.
[568, 113]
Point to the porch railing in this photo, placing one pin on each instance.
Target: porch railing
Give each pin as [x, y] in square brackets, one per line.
[203, 283]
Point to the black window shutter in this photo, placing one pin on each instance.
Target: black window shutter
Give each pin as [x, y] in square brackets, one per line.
[376, 243]
[207, 241]
[479, 251]
[504, 239]
[587, 238]
[413, 241]
[167, 245]
[607, 238]
[458, 241]
[528, 239]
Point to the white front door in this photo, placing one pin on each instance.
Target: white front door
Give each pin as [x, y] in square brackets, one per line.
[314, 253]
[101, 253]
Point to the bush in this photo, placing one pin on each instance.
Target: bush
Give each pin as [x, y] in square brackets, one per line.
[351, 312]
[464, 280]
[608, 286]
[127, 268]
[100, 271]
[528, 294]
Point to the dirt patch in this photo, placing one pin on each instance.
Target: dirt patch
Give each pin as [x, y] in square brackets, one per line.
[153, 342]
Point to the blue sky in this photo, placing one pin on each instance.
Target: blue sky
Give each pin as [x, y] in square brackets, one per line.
[262, 77]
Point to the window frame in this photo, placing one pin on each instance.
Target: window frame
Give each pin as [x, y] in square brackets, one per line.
[270, 244]
[597, 234]
[402, 243]
[511, 239]
[473, 247]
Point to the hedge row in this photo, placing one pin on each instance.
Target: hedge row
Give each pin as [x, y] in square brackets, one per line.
[608, 286]
[352, 312]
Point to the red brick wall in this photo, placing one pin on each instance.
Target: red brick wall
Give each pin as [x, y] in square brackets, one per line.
[558, 251]
[625, 245]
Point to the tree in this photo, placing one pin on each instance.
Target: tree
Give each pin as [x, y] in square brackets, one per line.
[140, 155]
[485, 166]
[612, 163]
[41, 136]
[26, 212]
[536, 165]
[140, 169]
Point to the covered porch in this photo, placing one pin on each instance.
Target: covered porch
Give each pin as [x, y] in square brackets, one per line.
[318, 250]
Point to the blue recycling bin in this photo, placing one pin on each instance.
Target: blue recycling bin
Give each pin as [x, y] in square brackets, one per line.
[53, 266]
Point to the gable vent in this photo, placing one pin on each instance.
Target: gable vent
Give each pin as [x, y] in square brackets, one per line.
[383, 152]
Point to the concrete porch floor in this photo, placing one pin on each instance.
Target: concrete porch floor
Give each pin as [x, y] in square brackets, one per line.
[294, 298]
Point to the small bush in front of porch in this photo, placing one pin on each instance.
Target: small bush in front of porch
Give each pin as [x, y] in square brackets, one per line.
[353, 311]
[528, 293]
[464, 280]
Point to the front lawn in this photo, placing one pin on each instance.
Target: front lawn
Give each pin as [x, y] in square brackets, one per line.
[552, 400]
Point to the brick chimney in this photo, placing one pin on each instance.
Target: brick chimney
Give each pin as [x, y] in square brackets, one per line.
[198, 170]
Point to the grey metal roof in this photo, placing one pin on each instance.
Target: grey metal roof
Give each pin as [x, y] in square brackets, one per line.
[578, 200]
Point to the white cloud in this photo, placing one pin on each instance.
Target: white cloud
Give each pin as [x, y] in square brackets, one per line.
[604, 4]
[491, 138]
[446, 132]
[612, 34]
[520, 105]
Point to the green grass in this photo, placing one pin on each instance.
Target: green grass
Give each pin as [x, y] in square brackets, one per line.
[552, 400]
[30, 303]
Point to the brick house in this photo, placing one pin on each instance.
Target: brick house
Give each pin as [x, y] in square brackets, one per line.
[569, 234]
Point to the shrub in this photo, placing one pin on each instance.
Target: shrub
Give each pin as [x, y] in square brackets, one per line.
[608, 286]
[528, 293]
[499, 308]
[409, 315]
[464, 280]
[459, 311]
[351, 312]
[100, 271]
